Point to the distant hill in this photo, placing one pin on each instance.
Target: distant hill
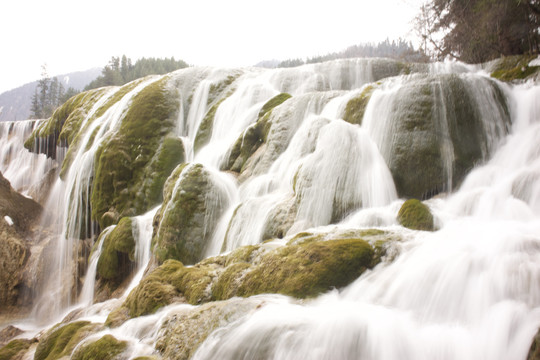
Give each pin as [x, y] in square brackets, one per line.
[15, 104]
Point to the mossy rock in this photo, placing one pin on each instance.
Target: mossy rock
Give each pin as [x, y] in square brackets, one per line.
[193, 203]
[106, 348]
[170, 282]
[415, 215]
[184, 331]
[308, 269]
[15, 349]
[217, 94]
[356, 107]
[61, 128]
[168, 156]
[253, 137]
[62, 339]
[78, 132]
[118, 253]
[431, 151]
[514, 68]
[308, 265]
[154, 291]
[119, 184]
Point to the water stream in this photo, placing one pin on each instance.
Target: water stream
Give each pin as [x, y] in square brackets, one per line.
[470, 290]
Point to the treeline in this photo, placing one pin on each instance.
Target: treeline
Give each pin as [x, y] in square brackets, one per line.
[49, 94]
[395, 49]
[477, 31]
[120, 71]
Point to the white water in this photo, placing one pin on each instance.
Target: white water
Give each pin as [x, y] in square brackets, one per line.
[22, 168]
[467, 291]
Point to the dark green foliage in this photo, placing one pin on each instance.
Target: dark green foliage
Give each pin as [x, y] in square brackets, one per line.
[49, 94]
[122, 158]
[118, 253]
[415, 215]
[121, 72]
[106, 348]
[395, 49]
[14, 348]
[476, 31]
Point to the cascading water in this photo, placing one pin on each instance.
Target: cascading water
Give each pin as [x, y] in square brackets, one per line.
[466, 291]
[23, 169]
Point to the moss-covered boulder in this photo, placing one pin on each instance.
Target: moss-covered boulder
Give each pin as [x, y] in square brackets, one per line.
[356, 106]
[117, 257]
[515, 68]
[441, 128]
[193, 203]
[307, 266]
[62, 339]
[415, 215]
[217, 94]
[253, 137]
[16, 349]
[308, 269]
[120, 184]
[185, 330]
[172, 281]
[62, 127]
[106, 348]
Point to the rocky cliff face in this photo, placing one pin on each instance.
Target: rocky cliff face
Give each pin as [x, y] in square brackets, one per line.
[18, 221]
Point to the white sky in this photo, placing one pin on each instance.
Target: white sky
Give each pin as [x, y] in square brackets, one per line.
[72, 35]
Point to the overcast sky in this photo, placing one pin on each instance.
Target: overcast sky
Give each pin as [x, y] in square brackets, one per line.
[71, 35]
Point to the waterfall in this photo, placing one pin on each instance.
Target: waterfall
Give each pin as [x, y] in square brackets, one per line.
[467, 291]
[24, 169]
[280, 155]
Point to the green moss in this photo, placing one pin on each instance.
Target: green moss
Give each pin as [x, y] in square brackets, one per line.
[229, 281]
[188, 216]
[308, 269]
[121, 159]
[513, 68]
[106, 348]
[62, 340]
[168, 156]
[14, 349]
[204, 133]
[217, 89]
[356, 107]
[273, 102]
[415, 215]
[63, 125]
[253, 137]
[118, 252]
[154, 291]
[80, 133]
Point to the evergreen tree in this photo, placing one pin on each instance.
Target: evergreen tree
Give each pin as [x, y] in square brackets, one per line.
[480, 30]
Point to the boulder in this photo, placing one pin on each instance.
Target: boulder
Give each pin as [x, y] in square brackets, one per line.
[194, 200]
